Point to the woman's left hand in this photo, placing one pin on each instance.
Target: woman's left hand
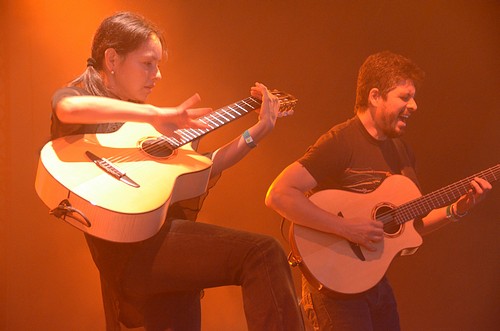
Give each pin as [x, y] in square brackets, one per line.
[268, 112]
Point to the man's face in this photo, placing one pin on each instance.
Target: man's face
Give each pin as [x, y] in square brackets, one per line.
[392, 114]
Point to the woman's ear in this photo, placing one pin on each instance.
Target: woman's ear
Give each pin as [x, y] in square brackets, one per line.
[110, 59]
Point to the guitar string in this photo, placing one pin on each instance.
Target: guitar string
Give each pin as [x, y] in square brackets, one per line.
[214, 120]
[452, 192]
[414, 208]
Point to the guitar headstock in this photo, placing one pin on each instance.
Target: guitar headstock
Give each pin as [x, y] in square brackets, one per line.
[287, 103]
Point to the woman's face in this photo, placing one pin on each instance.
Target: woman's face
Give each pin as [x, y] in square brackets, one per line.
[136, 73]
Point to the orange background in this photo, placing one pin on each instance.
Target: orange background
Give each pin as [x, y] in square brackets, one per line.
[311, 49]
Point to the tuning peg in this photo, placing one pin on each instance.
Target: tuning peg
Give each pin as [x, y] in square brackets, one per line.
[285, 113]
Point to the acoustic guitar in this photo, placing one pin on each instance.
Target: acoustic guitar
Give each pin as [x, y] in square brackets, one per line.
[118, 186]
[333, 263]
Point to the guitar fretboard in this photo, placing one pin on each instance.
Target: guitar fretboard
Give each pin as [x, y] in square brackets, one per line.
[441, 197]
[214, 120]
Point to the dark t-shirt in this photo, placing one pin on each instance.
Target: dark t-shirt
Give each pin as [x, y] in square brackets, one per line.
[347, 157]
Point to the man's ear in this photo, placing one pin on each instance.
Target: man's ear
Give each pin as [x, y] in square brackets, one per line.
[110, 59]
[374, 97]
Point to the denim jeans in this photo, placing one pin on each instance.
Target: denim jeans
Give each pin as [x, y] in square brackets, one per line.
[184, 258]
[373, 310]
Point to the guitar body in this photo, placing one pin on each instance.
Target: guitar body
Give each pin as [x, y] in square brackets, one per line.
[331, 262]
[116, 210]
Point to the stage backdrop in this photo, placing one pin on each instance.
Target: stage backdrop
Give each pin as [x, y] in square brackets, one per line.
[219, 49]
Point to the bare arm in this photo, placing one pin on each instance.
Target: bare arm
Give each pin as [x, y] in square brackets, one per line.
[286, 196]
[95, 109]
[438, 218]
[237, 149]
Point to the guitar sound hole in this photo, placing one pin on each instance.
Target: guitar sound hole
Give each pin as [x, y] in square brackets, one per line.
[384, 214]
[157, 147]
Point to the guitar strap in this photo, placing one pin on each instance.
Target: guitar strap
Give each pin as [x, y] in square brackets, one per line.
[406, 167]
[407, 170]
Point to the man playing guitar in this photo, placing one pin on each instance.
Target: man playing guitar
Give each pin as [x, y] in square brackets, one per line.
[360, 155]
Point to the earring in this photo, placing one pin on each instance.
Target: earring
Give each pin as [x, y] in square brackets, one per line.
[112, 72]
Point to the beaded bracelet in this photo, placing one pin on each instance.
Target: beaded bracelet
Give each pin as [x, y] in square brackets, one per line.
[449, 214]
[455, 213]
[452, 215]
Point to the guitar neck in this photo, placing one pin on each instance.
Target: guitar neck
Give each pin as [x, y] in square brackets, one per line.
[214, 120]
[442, 197]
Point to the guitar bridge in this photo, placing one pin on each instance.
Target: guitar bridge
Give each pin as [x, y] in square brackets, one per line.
[111, 169]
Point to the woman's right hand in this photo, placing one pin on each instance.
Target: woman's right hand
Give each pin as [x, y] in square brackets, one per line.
[169, 119]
